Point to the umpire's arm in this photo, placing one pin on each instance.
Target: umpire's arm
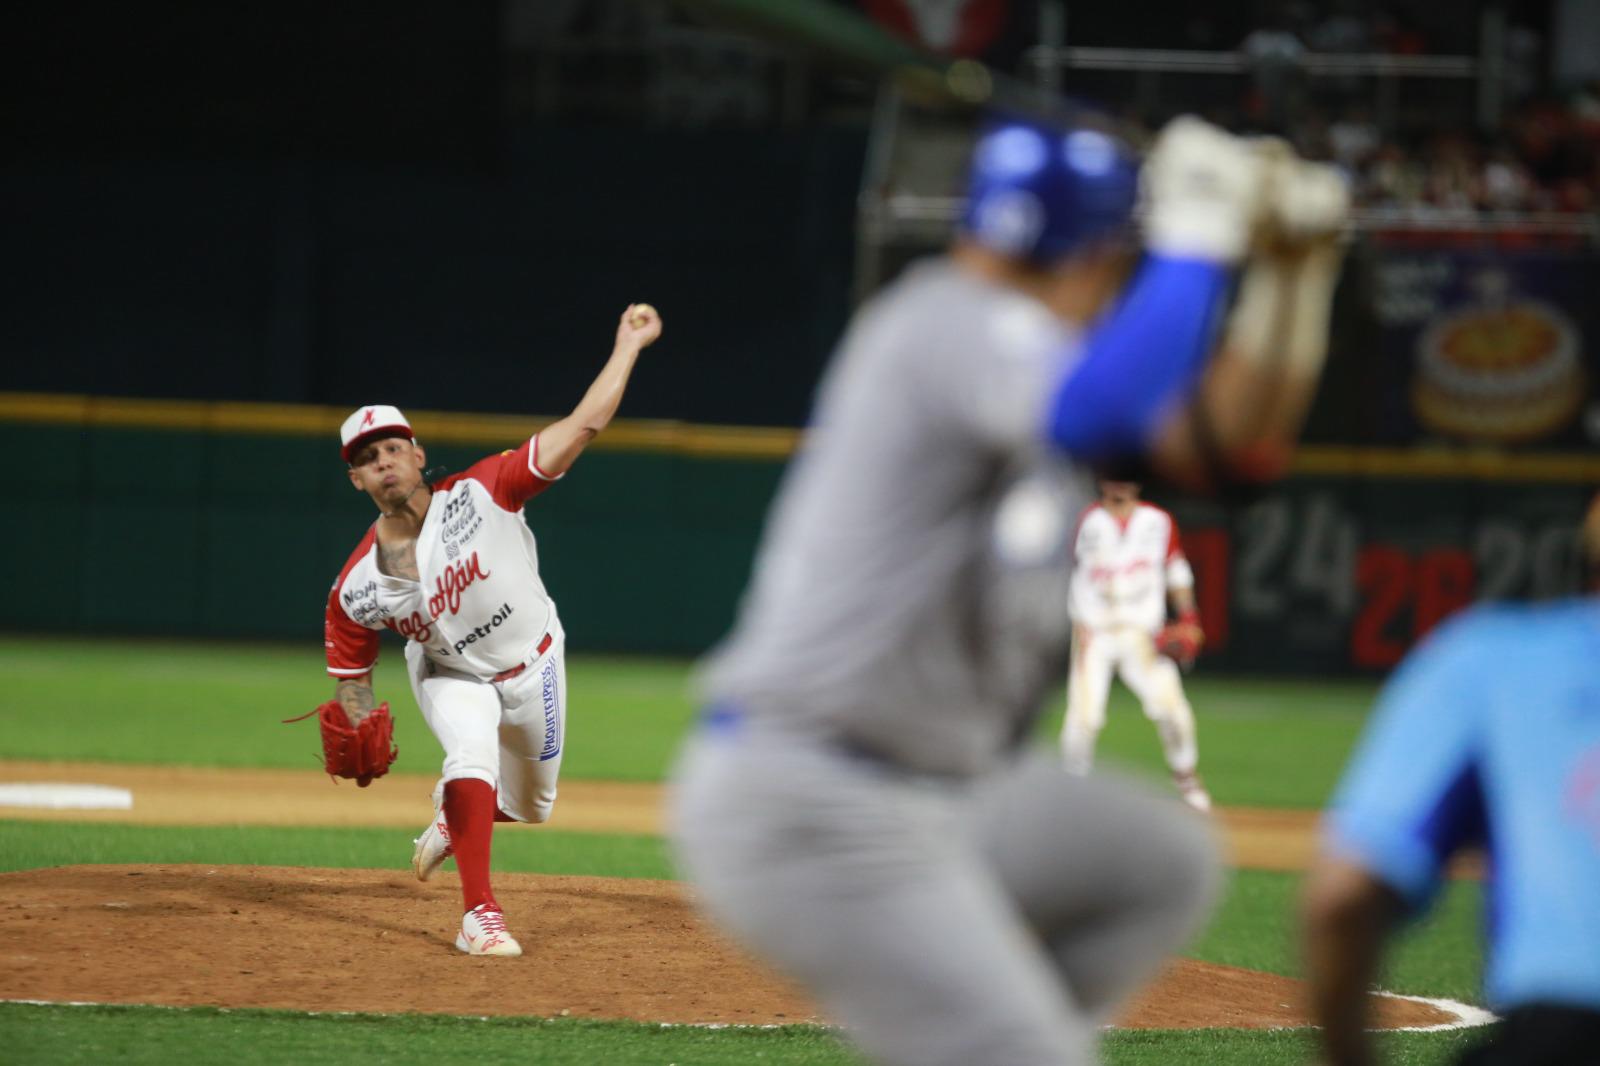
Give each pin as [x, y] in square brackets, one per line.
[1347, 916]
[1410, 798]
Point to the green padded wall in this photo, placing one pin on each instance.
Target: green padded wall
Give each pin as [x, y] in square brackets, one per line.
[120, 530]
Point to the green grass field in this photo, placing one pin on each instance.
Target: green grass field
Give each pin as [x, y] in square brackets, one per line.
[1262, 743]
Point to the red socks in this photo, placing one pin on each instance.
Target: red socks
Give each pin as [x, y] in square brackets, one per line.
[469, 811]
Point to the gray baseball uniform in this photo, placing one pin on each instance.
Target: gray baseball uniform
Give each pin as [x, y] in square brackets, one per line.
[910, 596]
[856, 809]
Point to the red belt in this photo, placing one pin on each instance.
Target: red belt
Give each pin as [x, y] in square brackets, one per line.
[507, 675]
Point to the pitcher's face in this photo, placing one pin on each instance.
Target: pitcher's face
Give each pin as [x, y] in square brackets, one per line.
[388, 470]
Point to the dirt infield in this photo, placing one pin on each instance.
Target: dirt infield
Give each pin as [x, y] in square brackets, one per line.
[375, 940]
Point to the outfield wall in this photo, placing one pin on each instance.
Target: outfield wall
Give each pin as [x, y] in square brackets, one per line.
[1343, 572]
[232, 520]
[241, 534]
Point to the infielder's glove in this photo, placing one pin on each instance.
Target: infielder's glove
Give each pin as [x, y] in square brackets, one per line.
[363, 752]
[1181, 641]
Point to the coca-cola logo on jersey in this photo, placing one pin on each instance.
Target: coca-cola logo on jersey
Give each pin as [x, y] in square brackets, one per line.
[461, 523]
[456, 579]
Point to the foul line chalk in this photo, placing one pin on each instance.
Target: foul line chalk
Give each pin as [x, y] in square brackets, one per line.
[379, 1014]
[1467, 1016]
[57, 796]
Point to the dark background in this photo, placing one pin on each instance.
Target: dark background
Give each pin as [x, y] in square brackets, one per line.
[332, 202]
[446, 206]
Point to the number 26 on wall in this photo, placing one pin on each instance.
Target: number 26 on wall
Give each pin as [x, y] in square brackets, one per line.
[1434, 584]
[1507, 561]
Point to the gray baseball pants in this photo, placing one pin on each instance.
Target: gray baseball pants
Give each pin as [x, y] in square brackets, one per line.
[992, 922]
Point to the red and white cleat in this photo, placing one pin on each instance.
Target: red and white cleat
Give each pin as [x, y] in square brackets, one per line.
[483, 932]
[433, 846]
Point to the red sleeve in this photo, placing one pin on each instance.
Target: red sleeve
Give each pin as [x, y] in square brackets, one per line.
[1077, 530]
[1174, 542]
[351, 647]
[512, 477]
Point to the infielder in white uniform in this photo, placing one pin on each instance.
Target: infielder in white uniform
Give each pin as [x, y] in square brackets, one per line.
[452, 567]
[859, 806]
[1129, 563]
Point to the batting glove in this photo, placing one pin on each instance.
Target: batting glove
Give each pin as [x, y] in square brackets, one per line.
[1201, 188]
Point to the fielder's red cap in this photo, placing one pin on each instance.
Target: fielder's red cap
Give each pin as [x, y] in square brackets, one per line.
[368, 424]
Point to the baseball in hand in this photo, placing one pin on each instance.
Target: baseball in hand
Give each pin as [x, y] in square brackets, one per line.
[642, 313]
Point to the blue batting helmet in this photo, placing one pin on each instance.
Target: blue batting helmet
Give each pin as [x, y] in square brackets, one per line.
[1039, 192]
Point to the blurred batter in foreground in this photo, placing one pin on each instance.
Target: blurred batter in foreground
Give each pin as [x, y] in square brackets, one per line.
[857, 806]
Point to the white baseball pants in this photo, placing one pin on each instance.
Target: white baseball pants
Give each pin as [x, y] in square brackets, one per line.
[509, 733]
[1130, 653]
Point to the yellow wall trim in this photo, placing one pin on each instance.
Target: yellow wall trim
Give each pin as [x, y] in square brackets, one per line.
[708, 441]
[448, 427]
[1440, 463]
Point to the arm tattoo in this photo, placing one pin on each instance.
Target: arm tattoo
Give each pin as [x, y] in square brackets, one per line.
[399, 560]
[356, 698]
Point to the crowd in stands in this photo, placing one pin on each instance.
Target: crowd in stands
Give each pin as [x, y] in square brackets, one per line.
[1543, 157]
[1546, 158]
[1414, 148]
[1429, 155]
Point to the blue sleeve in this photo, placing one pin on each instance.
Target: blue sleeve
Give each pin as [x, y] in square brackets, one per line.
[1148, 350]
[1412, 795]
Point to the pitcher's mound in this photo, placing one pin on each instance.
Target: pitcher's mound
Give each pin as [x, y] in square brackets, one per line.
[376, 940]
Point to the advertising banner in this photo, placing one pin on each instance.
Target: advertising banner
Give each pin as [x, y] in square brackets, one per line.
[1342, 575]
[1482, 344]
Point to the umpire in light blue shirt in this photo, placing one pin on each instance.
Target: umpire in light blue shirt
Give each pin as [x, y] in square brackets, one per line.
[1487, 736]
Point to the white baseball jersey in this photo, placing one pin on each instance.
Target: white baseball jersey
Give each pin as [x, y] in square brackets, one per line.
[480, 607]
[1125, 568]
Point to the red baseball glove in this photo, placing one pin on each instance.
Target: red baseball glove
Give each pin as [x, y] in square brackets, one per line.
[1182, 640]
[363, 752]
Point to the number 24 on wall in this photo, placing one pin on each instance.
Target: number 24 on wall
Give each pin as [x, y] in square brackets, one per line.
[1393, 594]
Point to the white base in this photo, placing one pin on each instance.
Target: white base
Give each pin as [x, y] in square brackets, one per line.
[59, 796]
